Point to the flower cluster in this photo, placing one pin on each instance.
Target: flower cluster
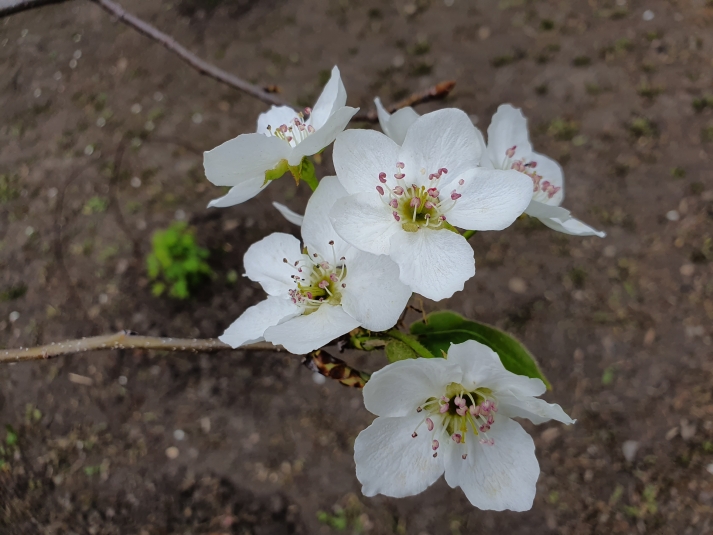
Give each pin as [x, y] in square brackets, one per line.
[391, 222]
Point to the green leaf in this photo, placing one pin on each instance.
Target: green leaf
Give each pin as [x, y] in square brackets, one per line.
[397, 350]
[441, 329]
[414, 344]
[273, 174]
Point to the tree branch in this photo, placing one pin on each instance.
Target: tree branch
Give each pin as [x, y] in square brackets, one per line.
[124, 340]
[8, 7]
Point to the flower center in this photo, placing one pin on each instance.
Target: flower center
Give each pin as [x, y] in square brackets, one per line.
[318, 281]
[415, 206]
[457, 412]
[295, 131]
[542, 190]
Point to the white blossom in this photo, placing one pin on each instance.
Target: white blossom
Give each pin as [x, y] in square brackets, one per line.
[405, 201]
[453, 416]
[284, 137]
[318, 293]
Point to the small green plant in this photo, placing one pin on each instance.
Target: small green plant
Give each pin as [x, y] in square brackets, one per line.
[176, 262]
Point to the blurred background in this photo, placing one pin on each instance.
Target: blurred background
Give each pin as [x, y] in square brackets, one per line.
[101, 139]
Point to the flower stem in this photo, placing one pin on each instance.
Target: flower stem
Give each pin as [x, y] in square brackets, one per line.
[469, 234]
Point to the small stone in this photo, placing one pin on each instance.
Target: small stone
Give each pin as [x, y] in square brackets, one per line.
[687, 270]
[629, 449]
[610, 251]
[172, 452]
[671, 433]
[710, 468]
[483, 33]
[179, 434]
[14, 316]
[123, 380]
[136, 108]
[135, 182]
[688, 430]
[649, 337]
[318, 378]
[197, 118]
[550, 435]
[517, 285]
[648, 15]
[205, 424]
[398, 61]
[672, 215]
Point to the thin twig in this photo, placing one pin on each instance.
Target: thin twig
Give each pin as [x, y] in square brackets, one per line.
[123, 340]
[186, 55]
[436, 92]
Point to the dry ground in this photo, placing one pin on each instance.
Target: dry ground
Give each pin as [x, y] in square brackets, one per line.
[621, 325]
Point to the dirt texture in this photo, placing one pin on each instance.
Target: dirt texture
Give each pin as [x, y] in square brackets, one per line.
[101, 140]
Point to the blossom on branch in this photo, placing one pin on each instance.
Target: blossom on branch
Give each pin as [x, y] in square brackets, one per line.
[319, 292]
[405, 201]
[283, 140]
[509, 147]
[453, 416]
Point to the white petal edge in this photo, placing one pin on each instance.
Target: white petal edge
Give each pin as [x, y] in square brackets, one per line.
[434, 263]
[251, 325]
[275, 117]
[243, 158]
[395, 125]
[363, 221]
[441, 139]
[572, 226]
[306, 333]
[537, 410]
[374, 295]
[498, 477]
[240, 193]
[491, 199]
[317, 229]
[508, 128]
[291, 216]
[390, 462]
[333, 97]
[264, 263]
[399, 388]
[323, 136]
[359, 157]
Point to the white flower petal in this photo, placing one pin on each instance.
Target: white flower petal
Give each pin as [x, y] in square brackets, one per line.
[323, 136]
[434, 263]
[536, 410]
[359, 157]
[395, 125]
[291, 216]
[275, 117]
[240, 193]
[374, 295]
[550, 171]
[390, 462]
[306, 333]
[572, 226]
[491, 199]
[498, 477]
[251, 324]
[508, 128]
[264, 263]
[365, 222]
[440, 139]
[541, 210]
[482, 367]
[244, 158]
[399, 388]
[317, 229]
[333, 97]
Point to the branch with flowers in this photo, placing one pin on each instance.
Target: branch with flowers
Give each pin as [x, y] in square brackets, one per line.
[394, 221]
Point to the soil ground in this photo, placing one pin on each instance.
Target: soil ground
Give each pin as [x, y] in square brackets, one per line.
[132, 442]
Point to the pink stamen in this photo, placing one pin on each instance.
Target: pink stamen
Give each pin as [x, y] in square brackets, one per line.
[283, 128]
[333, 277]
[382, 177]
[434, 445]
[310, 129]
[433, 192]
[455, 195]
[415, 202]
[443, 171]
[461, 411]
[394, 203]
[461, 182]
[443, 409]
[400, 165]
[511, 151]
[464, 456]
[323, 284]
[380, 190]
[308, 111]
[429, 206]
[459, 401]
[414, 434]
[474, 410]
[399, 176]
[396, 216]
[457, 438]
[429, 424]
[398, 190]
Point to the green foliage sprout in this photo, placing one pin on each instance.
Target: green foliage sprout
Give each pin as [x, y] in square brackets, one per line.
[176, 262]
